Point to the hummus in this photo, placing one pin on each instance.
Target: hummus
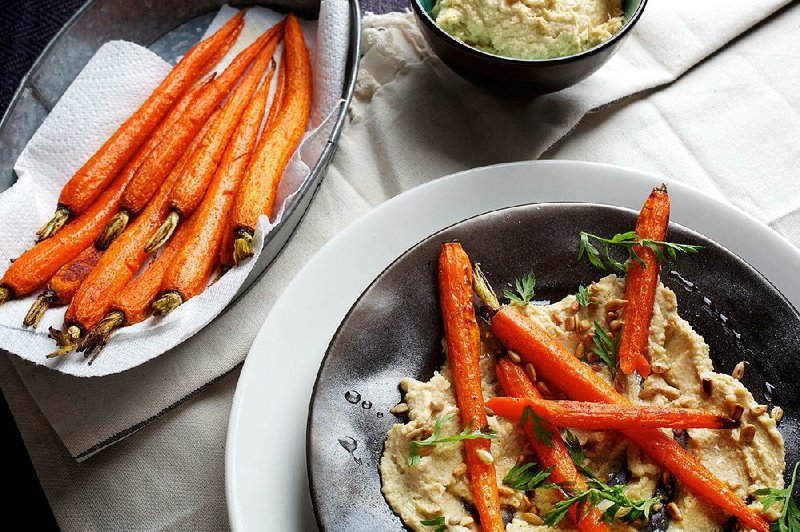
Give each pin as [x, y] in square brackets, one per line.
[680, 362]
[530, 29]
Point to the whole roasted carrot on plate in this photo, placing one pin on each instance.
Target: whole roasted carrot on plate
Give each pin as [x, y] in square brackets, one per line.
[133, 303]
[603, 416]
[162, 160]
[191, 187]
[516, 383]
[257, 194]
[463, 351]
[641, 281]
[85, 187]
[36, 266]
[120, 262]
[63, 285]
[191, 268]
[227, 238]
[558, 366]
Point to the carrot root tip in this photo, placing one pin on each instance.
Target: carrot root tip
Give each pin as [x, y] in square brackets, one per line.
[38, 308]
[6, 294]
[112, 230]
[168, 302]
[94, 342]
[66, 341]
[484, 290]
[58, 220]
[163, 233]
[242, 246]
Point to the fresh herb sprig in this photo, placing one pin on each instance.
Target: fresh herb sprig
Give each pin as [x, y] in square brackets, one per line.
[540, 432]
[523, 291]
[663, 251]
[622, 508]
[437, 521]
[606, 347]
[582, 297]
[789, 520]
[436, 439]
[529, 477]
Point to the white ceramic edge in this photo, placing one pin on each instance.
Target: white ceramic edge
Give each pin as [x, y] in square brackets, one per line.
[432, 206]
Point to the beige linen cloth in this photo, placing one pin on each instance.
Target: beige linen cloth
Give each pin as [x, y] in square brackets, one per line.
[729, 125]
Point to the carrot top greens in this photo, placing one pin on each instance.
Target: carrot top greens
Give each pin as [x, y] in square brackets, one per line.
[523, 290]
[435, 438]
[663, 251]
[789, 519]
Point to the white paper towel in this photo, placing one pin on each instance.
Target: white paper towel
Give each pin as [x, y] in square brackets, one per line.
[109, 89]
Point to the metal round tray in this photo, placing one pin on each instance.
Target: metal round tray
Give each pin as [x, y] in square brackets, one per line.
[169, 28]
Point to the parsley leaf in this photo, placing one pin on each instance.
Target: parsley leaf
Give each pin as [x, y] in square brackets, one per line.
[789, 520]
[582, 297]
[606, 347]
[436, 439]
[437, 522]
[528, 477]
[574, 447]
[523, 290]
[663, 251]
[540, 431]
[622, 508]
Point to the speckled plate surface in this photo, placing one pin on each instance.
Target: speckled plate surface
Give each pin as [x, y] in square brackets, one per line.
[394, 330]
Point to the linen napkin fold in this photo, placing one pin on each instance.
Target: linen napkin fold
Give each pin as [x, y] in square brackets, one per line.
[414, 120]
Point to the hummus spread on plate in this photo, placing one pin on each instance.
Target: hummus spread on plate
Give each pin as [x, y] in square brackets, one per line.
[682, 377]
[530, 29]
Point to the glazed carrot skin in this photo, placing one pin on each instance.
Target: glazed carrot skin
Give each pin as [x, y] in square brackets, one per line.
[122, 259]
[555, 364]
[463, 351]
[153, 171]
[94, 176]
[260, 185]
[277, 98]
[35, 267]
[602, 416]
[191, 268]
[63, 285]
[641, 284]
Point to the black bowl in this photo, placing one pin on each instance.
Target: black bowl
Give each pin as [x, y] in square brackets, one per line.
[394, 330]
[538, 76]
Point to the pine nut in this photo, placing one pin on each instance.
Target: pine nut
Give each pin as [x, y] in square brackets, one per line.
[574, 306]
[569, 323]
[505, 491]
[736, 411]
[556, 318]
[738, 371]
[437, 405]
[532, 518]
[459, 470]
[596, 367]
[674, 512]
[515, 358]
[615, 325]
[776, 414]
[454, 519]
[531, 371]
[611, 316]
[543, 388]
[485, 456]
[585, 325]
[467, 521]
[759, 409]
[580, 350]
[747, 433]
[707, 386]
[615, 304]
[399, 409]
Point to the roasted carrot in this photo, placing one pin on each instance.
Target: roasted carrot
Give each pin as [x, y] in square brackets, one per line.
[257, 194]
[277, 98]
[191, 268]
[603, 416]
[555, 364]
[640, 285]
[86, 185]
[516, 383]
[35, 267]
[116, 267]
[63, 285]
[463, 351]
[191, 187]
[132, 304]
[163, 159]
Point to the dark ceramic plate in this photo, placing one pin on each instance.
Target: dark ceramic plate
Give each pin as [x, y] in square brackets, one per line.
[394, 330]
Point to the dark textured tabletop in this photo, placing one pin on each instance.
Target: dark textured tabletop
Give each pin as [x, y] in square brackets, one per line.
[26, 26]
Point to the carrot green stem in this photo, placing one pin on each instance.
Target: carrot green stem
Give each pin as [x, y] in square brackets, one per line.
[113, 229]
[38, 308]
[6, 293]
[66, 340]
[168, 302]
[58, 220]
[94, 342]
[484, 289]
[164, 233]
[243, 245]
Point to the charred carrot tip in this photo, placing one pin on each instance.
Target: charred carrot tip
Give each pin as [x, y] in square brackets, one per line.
[661, 188]
[94, 342]
[6, 293]
[113, 229]
[168, 302]
[38, 308]
[58, 220]
[484, 289]
[243, 245]
[164, 233]
[66, 341]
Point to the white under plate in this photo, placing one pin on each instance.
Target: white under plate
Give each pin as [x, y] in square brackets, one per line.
[265, 463]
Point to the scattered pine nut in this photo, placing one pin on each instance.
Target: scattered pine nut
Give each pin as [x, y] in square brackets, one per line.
[575, 306]
[776, 414]
[489, 411]
[747, 433]
[556, 317]
[615, 304]
[615, 325]
[580, 350]
[532, 518]
[674, 512]
[665, 477]
[505, 491]
[531, 371]
[619, 382]
[670, 393]
[466, 521]
[596, 367]
[425, 450]
[585, 325]
[569, 323]
[758, 410]
[437, 405]
[399, 409]
[611, 316]
[454, 520]
[736, 411]
[707, 386]
[592, 356]
[543, 388]
[485, 456]
[738, 371]
[459, 470]
[515, 358]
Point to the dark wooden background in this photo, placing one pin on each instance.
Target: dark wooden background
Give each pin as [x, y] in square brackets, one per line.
[26, 26]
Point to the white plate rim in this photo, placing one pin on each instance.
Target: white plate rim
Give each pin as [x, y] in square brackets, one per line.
[258, 482]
